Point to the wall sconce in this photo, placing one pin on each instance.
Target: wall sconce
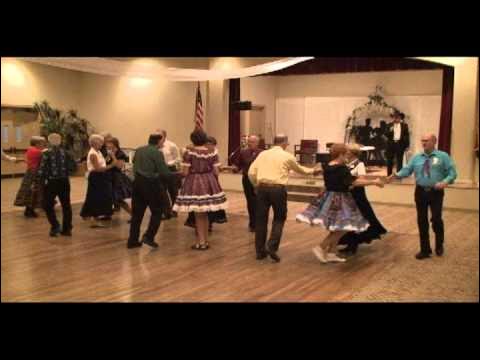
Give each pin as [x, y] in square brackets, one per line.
[12, 74]
[139, 82]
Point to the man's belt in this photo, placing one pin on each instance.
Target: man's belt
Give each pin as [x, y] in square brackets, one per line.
[427, 188]
[271, 185]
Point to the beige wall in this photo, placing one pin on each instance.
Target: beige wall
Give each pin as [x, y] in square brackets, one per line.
[24, 83]
[361, 84]
[110, 103]
[261, 90]
[217, 121]
[132, 112]
[465, 103]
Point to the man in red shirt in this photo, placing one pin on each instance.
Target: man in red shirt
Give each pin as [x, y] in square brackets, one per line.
[242, 163]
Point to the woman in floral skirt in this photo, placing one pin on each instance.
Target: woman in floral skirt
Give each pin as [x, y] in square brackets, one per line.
[335, 209]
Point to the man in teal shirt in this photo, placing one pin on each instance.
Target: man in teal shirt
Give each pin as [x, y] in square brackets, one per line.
[434, 171]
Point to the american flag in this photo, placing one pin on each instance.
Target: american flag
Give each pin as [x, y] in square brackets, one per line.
[198, 110]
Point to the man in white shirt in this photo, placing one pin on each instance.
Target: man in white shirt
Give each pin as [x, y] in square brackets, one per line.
[172, 158]
[398, 141]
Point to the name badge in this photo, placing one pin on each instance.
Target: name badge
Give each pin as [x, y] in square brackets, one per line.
[435, 161]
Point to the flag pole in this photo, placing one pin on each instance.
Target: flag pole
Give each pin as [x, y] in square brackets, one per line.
[195, 107]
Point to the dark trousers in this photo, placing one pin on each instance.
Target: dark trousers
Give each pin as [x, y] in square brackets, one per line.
[60, 188]
[432, 199]
[395, 152]
[146, 193]
[249, 192]
[173, 184]
[275, 197]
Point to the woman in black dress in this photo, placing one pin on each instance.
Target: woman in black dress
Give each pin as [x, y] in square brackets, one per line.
[122, 185]
[375, 229]
[99, 199]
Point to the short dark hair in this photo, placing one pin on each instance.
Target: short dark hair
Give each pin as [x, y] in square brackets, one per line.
[198, 137]
[368, 120]
[114, 141]
[154, 139]
[211, 140]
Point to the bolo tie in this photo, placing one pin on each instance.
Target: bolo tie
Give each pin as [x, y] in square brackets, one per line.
[426, 167]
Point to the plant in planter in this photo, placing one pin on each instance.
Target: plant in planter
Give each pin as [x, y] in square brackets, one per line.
[75, 131]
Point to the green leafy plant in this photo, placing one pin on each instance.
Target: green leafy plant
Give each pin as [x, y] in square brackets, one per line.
[75, 131]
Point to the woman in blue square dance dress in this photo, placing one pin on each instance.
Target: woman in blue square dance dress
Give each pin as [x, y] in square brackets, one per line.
[201, 192]
[335, 209]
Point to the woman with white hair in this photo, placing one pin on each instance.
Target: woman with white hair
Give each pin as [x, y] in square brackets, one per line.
[99, 199]
[29, 194]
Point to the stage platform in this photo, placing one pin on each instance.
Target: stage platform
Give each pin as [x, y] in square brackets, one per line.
[303, 188]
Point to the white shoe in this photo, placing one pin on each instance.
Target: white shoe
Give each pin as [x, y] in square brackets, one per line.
[332, 257]
[320, 254]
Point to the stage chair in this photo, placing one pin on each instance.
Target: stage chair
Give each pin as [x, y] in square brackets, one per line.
[307, 150]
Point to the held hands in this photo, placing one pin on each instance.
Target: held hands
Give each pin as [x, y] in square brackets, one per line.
[379, 182]
[317, 171]
[440, 186]
[390, 178]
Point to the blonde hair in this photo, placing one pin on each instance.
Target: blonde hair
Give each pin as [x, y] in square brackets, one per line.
[55, 139]
[354, 149]
[95, 139]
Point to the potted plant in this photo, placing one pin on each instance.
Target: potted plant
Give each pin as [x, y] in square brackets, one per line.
[75, 131]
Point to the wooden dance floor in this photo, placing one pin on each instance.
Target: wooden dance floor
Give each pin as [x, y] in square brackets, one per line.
[94, 265]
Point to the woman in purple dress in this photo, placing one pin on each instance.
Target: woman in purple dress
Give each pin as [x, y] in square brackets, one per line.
[335, 209]
[201, 192]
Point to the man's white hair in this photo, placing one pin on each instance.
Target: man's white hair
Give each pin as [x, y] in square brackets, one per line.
[55, 139]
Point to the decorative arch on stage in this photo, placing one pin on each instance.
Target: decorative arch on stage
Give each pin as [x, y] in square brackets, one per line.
[376, 107]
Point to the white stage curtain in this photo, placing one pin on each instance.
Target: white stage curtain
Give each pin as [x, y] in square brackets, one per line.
[104, 66]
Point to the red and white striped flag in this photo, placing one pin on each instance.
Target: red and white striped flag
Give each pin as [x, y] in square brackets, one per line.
[199, 119]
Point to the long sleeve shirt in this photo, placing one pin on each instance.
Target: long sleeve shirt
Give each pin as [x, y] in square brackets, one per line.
[170, 153]
[55, 164]
[245, 159]
[439, 168]
[272, 167]
[150, 163]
